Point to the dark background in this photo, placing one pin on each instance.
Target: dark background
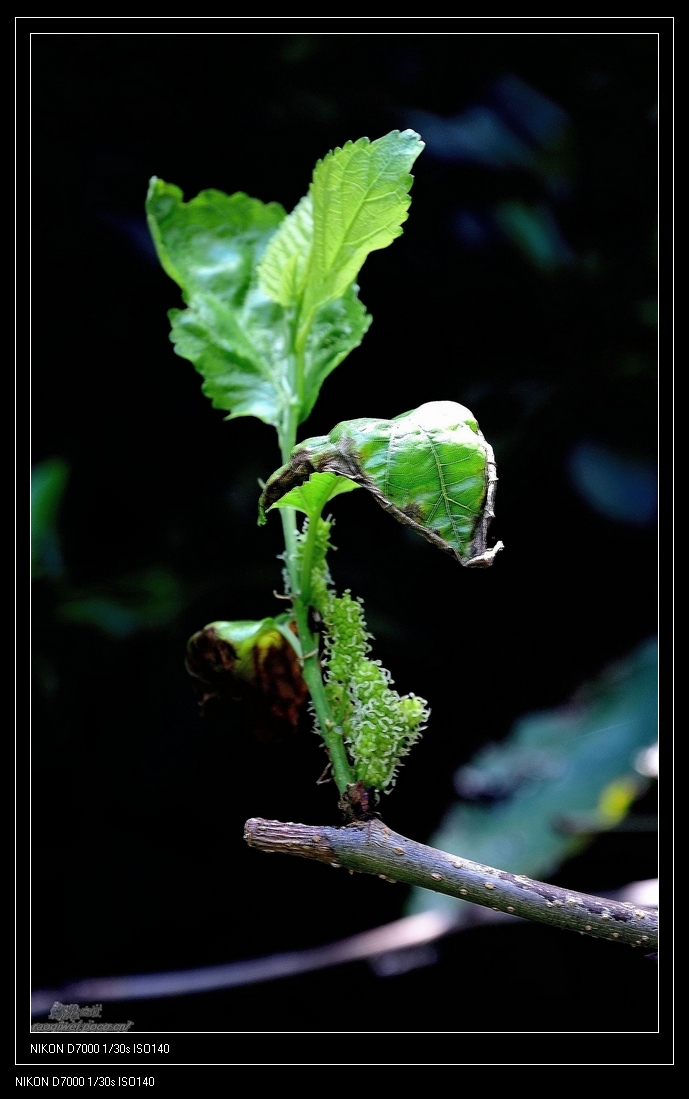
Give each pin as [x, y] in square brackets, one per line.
[138, 862]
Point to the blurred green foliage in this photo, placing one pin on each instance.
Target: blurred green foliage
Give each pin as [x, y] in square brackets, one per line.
[140, 601]
[558, 772]
[120, 605]
[48, 482]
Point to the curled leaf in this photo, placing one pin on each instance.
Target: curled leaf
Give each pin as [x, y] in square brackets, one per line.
[257, 663]
[430, 468]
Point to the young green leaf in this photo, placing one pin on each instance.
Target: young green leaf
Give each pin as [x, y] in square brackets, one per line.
[312, 496]
[360, 196]
[357, 202]
[282, 271]
[430, 468]
[272, 304]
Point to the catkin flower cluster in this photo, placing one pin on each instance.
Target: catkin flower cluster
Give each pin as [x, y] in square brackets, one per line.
[378, 725]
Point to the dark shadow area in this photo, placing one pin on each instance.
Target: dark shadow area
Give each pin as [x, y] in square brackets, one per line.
[524, 286]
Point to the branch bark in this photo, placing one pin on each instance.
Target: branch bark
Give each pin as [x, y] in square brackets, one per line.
[373, 848]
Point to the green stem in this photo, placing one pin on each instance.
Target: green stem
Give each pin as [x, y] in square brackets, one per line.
[287, 438]
[307, 560]
[332, 735]
[300, 336]
[300, 584]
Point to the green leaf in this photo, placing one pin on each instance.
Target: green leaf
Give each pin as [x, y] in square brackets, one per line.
[244, 634]
[336, 330]
[272, 304]
[241, 352]
[213, 242]
[235, 336]
[282, 271]
[357, 202]
[430, 468]
[312, 496]
[360, 196]
[358, 199]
